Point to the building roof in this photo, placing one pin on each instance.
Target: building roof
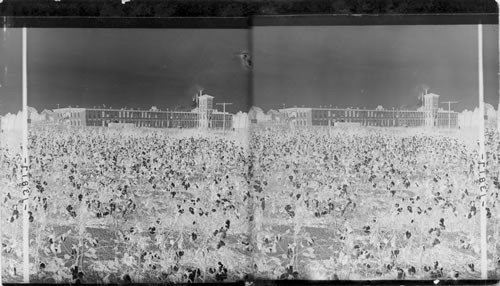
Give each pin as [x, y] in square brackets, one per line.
[60, 110]
[215, 111]
[296, 109]
[65, 109]
[430, 94]
[206, 96]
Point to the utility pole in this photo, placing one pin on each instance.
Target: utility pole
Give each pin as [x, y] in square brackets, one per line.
[449, 111]
[224, 115]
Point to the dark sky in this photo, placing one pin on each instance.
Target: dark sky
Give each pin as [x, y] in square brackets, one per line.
[366, 66]
[358, 66]
[124, 67]
[10, 72]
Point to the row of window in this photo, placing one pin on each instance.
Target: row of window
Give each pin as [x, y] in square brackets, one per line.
[71, 115]
[381, 122]
[141, 114]
[217, 123]
[297, 114]
[158, 123]
[377, 114]
[301, 122]
[340, 119]
[216, 117]
[208, 103]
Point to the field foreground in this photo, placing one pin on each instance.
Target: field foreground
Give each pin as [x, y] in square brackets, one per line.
[150, 206]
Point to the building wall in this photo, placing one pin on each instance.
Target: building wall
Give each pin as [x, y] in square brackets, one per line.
[221, 120]
[384, 118]
[297, 116]
[205, 102]
[141, 118]
[444, 119]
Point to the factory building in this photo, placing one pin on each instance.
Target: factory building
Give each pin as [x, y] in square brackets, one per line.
[204, 117]
[429, 115]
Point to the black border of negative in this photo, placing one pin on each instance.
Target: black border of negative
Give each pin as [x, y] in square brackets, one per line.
[262, 21]
[248, 23]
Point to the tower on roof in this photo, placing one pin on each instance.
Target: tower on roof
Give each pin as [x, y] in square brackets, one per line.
[205, 102]
[430, 107]
[205, 109]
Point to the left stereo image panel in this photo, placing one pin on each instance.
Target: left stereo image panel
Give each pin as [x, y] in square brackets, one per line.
[137, 143]
[13, 152]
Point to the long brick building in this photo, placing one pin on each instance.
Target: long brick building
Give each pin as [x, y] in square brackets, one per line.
[204, 116]
[429, 115]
